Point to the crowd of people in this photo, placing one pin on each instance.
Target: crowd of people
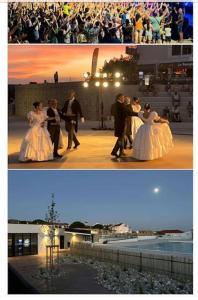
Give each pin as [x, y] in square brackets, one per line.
[78, 22]
[174, 114]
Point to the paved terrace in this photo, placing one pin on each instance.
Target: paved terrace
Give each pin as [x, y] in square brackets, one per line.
[94, 151]
[78, 278]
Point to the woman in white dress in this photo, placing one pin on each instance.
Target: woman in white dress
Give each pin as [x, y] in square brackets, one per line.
[153, 140]
[37, 145]
[136, 122]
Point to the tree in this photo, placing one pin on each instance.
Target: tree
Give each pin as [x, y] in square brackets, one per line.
[38, 221]
[51, 218]
[126, 65]
[98, 226]
[77, 224]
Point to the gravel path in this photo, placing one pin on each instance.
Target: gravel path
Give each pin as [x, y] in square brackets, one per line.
[122, 280]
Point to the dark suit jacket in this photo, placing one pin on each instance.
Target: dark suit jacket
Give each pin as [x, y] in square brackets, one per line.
[51, 114]
[120, 112]
[76, 111]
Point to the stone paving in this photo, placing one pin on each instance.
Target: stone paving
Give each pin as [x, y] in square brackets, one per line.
[75, 278]
[94, 151]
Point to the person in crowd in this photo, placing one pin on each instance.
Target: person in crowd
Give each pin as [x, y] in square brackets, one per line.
[156, 23]
[180, 23]
[56, 77]
[138, 28]
[176, 114]
[176, 99]
[166, 113]
[190, 109]
[127, 30]
[81, 22]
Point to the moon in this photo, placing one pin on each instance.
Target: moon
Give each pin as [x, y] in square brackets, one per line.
[156, 190]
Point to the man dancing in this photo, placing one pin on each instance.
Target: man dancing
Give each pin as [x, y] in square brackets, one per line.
[120, 112]
[70, 113]
[53, 125]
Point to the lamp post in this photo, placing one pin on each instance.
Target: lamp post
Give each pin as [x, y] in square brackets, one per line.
[101, 81]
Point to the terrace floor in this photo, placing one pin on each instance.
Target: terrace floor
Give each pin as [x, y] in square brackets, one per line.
[77, 278]
[94, 151]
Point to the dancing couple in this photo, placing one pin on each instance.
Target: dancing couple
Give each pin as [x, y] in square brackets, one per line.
[45, 138]
[148, 134]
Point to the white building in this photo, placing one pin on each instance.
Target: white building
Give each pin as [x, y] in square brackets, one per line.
[121, 228]
[31, 239]
[180, 236]
[173, 60]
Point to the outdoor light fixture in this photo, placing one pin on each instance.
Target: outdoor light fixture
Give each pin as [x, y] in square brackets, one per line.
[97, 83]
[86, 75]
[117, 84]
[105, 84]
[117, 75]
[101, 81]
[85, 84]
[97, 75]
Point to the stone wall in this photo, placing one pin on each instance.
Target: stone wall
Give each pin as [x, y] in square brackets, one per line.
[90, 98]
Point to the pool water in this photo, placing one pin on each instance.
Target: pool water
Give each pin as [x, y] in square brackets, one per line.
[169, 247]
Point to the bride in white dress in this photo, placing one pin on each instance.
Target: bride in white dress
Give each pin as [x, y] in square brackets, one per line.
[136, 122]
[36, 145]
[153, 140]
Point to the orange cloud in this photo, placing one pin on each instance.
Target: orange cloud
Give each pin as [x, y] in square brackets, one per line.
[39, 62]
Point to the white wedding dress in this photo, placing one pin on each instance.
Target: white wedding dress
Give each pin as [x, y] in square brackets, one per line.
[153, 140]
[136, 122]
[36, 145]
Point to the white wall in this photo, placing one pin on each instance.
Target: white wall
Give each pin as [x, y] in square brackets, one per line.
[41, 230]
[151, 55]
[123, 228]
[23, 228]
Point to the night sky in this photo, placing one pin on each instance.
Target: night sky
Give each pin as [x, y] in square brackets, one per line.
[143, 199]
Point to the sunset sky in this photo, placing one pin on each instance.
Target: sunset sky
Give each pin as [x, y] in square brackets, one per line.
[38, 63]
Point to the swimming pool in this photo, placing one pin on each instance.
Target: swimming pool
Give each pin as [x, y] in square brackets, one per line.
[169, 247]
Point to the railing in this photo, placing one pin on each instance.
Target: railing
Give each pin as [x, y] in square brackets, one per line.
[176, 266]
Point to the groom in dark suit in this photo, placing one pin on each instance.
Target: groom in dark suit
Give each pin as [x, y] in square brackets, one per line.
[120, 112]
[70, 113]
[53, 125]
